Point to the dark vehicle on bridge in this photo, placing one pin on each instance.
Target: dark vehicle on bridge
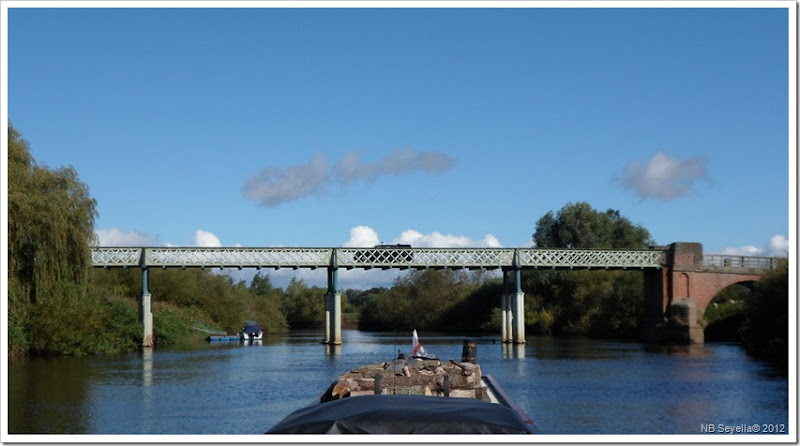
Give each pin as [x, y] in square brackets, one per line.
[385, 254]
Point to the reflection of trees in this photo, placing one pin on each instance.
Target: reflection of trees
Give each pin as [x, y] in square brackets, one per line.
[48, 395]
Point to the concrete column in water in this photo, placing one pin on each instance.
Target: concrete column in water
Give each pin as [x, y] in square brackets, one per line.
[333, 306]
[506, 313]
[145, 312]
[503, 315]
[518, 305]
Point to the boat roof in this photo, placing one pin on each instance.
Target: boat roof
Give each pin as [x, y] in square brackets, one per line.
[403, 414]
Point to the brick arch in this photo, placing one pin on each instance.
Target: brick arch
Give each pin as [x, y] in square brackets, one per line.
[704, 286]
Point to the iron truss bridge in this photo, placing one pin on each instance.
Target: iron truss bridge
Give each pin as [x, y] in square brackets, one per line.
[369, 258]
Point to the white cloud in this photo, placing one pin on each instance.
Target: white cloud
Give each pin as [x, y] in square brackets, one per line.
[663, 176]
[205, 239]
[351, 168]
[778, 246]
[273, 186]
[117, 237]
[362, 237]
[439, 240]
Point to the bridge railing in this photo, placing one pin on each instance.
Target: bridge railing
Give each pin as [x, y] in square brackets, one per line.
[741, 261]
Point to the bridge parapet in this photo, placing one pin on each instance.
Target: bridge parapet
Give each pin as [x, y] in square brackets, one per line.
[728, 261]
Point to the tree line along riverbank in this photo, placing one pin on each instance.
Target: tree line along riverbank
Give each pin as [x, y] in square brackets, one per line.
[59, 304]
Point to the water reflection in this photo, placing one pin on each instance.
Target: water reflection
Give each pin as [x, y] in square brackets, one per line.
[677, 349]
[333, 351]
[147, 366]
[513, 351]
[47, 395]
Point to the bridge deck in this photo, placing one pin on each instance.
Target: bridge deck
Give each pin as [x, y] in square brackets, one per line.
[384, 258]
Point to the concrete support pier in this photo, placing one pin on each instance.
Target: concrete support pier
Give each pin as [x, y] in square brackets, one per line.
[145, 312]
[505, 318]
[146, 318]
[518, 322]
[333, 318]
[512, 309]
[333, 306]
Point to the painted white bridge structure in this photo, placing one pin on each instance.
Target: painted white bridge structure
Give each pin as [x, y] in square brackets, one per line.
[405, 257]
[368, 258]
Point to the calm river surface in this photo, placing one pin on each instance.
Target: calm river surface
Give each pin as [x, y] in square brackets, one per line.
[567, 385]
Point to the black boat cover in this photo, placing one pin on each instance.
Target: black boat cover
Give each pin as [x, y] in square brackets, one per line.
[402, 414]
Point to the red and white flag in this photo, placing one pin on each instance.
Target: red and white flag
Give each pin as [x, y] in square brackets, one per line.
[416, 348]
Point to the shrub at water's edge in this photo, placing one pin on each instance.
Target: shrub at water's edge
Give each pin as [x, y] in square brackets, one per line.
[765, 331]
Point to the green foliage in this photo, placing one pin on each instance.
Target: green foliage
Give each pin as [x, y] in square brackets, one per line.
[596, 303]
[173, 324]
[443, 300]
[765, 332]
[304, 306]
[540, 320]
[579, 226]
[474, 311]
[69, 326]
[726, 314]
[620, 308]
[50, 227]
[263, 304]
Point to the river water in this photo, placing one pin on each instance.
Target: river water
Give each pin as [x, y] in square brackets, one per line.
[567, 385]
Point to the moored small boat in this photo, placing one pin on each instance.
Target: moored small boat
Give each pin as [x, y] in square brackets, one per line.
[251, 332]
[412, 395]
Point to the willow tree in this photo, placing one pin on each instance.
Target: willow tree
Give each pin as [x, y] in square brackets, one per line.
[50, 228]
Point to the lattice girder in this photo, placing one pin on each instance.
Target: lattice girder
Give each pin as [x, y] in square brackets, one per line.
[398, 257]
[420, 258]
[239, 257]
[590, 258]
[116, 257]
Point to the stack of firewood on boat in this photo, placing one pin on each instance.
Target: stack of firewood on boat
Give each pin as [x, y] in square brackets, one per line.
[412, 376]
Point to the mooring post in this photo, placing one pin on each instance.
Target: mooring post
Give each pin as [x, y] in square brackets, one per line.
[333, 305]
[145, 312]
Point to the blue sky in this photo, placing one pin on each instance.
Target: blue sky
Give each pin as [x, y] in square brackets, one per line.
[436, 127]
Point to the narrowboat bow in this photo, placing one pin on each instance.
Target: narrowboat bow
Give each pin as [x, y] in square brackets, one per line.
[417, 395]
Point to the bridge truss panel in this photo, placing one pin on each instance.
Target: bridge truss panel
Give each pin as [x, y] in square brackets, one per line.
[196, 257]
[116, 257]
[423, 258]
[590, 258]
[239, 257]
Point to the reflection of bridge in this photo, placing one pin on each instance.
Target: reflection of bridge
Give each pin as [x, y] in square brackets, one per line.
[659, 265]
